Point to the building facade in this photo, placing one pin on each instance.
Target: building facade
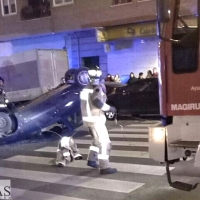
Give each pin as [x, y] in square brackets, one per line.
[118, 35]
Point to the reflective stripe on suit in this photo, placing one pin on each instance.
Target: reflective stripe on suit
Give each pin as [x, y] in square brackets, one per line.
[93, 105]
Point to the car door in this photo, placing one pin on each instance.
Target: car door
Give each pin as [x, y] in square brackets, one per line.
[122, 97]
[152, 97]
[137, 97]
[145, 97]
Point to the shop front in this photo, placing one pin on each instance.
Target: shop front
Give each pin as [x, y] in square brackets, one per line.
[130, 48]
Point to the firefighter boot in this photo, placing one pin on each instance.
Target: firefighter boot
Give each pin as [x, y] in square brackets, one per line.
[78, 156]
[108, 171]
[92, 159]
[93, 164]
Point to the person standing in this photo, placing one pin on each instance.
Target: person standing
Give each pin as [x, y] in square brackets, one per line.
[141, 75]
[3, 99]
[132, 78]
[62, 82]
[155, 72]
[117, 78]
[93, 105]
[108, 78]
[149, 74]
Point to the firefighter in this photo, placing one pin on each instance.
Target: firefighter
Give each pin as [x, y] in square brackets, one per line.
[62, 82]
[67, 152]
[93, 105]
[3, 99]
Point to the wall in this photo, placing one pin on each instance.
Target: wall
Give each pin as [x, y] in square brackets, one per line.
[116, 57]
[42, 42]
[84, 44]
[136, 55]
[78, 44]
[74, 17]
[5, 49]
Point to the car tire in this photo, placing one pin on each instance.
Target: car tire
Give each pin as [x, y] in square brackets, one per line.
[110, 115]
[69, 73]
[81, 78]
[5, 124]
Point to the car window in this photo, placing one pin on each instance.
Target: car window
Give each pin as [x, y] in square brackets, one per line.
[120, 89]
[143, 85]
[154, 85]
[137, 86]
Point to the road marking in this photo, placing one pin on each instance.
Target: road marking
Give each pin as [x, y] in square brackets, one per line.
[79, 181]
[119, 153]
[33, 195]
[145, 125]
[112, 135]
[116, 143]
[121, 167]
[113, 153]
[135, 130]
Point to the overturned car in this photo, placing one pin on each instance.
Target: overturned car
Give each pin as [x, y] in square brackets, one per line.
[60, 105]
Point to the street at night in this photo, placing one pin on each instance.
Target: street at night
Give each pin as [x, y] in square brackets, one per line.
[34, 175]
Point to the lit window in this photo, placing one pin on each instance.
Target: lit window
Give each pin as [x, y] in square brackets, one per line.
[8, 7]
[62, 2]
[119, 2]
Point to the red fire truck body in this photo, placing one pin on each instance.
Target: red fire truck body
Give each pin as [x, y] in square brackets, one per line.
[179, 78]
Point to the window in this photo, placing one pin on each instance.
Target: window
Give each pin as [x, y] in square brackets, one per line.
[90, 62]
[62, 2]
[119, 2]
[185, 53]
[185, 58]
[8, 7]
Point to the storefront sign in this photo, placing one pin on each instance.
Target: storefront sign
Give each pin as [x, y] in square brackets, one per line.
[125, 31]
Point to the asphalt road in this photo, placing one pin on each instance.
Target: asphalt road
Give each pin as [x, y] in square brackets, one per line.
[33, 174]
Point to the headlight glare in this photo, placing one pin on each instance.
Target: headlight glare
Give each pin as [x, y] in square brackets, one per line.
[158, 134]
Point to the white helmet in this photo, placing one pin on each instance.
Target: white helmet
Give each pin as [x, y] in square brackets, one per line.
[95, 75]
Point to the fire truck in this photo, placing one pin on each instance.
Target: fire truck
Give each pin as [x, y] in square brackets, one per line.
[178, 24]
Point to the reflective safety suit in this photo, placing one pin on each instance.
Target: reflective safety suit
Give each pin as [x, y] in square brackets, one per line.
[67, 151]
[93, 106]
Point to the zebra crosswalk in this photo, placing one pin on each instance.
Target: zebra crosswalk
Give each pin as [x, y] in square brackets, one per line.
[18, 194]
[34, 175]
[121, 167]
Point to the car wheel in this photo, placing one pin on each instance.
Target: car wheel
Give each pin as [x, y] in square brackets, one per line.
[5, 124]
[69, 74]
[81, 77]
[110, 115]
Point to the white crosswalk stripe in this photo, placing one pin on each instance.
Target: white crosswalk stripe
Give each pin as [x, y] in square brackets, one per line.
[19, 194]
[65, 179]
[123, 139]
[121, 153]
[122, 167]
[127, 129]
[112, 135]
[117, 143]
[145, 124]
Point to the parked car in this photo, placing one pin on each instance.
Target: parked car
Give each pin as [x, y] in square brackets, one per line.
[139, 98]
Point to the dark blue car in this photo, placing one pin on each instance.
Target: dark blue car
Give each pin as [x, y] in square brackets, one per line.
[139, 98]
